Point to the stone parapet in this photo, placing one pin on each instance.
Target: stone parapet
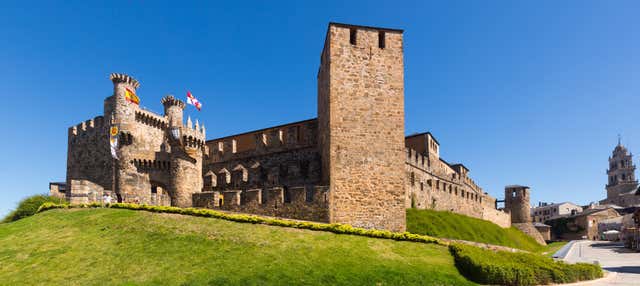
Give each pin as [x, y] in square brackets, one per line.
[304, 202]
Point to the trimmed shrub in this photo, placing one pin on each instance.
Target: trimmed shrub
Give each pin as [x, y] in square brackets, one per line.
[519, 268]
[333, 227]
[29, 206]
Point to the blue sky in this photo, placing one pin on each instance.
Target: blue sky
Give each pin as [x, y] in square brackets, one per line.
[530, 93]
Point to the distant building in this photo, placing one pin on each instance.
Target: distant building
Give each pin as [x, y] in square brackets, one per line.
[622, 187]
[545, 211]
[580, 226]
[544, 230]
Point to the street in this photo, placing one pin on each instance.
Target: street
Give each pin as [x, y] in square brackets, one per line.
[623, 264]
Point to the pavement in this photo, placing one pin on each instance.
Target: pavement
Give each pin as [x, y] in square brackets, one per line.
[622, 264]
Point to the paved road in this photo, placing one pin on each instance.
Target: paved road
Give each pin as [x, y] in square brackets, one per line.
[624, 264]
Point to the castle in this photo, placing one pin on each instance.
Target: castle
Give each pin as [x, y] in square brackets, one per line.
[352, 164]
[622, 187]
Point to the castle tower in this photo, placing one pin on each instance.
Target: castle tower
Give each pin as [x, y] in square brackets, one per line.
[621, 173]
[123, 112]
[129, 185]
[361, 125]
[517, 201]
[187, 145]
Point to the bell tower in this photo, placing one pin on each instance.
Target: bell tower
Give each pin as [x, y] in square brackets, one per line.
[621, 173]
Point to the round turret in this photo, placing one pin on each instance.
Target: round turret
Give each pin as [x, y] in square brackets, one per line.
[119, 107]
[173, 110]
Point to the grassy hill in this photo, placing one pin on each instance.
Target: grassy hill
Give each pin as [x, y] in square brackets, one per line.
[112, 246]
[455, 226]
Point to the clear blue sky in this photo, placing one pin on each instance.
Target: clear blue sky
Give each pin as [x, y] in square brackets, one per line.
[528, 93]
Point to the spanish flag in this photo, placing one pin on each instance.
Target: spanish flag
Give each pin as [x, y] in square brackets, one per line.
[131, 96]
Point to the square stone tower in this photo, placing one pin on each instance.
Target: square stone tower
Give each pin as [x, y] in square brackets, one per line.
[361, 125]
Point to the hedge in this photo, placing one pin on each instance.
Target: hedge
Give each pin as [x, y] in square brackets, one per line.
[333, 227]
[30, 206]
[519, 268]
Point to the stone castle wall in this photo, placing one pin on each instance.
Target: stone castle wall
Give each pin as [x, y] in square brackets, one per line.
[279, 156]
[433, 184]
[305, 203]
[88, 154]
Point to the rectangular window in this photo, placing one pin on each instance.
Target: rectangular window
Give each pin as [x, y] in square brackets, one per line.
[352, 36]
[381, 42]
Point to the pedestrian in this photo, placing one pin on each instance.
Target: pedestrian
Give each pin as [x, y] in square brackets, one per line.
[107, 198]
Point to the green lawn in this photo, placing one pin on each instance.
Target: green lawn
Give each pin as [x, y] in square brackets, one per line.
[450, 225]
[114, 246]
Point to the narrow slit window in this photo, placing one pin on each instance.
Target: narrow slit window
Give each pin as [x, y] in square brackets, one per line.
[381, 42]
[352, 36]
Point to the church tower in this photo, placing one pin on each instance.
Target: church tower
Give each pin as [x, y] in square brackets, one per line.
[621, 174]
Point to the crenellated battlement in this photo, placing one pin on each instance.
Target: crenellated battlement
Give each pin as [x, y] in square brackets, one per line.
[144, 165]
[193, 136]
[123, 78]
[97, 123]
[170, 100]
[280, 138]
[439, 168]
[151, 119]
[300, 202]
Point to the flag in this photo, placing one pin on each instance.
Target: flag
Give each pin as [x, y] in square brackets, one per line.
[193, 101]
[131, 96]
[113, 140]
[114, 147]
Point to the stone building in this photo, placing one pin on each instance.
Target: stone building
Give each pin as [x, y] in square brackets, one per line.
[580, 226]
[546, 211]
[622, 187]
[352, 164]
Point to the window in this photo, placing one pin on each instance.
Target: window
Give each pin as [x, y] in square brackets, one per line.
[309, 195]
[352, 36]
[234, 146]
[287, 195]
[281, 136]
[154, 189]
[413, 179]
[381, 42]
[421, 186]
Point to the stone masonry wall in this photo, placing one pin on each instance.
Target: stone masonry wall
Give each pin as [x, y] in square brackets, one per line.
[88, 155]
[279, 156]
[305, 203]
[432, 184]
[84, 191]
[361, 125]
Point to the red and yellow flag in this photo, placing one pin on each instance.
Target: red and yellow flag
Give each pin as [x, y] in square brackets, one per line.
[131, 96]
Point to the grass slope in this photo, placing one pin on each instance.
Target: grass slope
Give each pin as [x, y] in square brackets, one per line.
[450, 225]
[110, 246]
